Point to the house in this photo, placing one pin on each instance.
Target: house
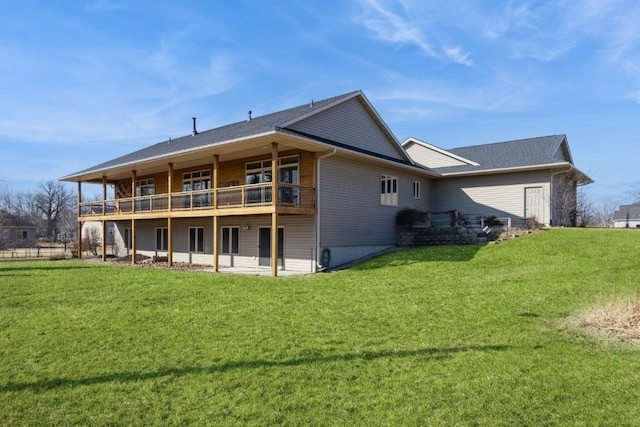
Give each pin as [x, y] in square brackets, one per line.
[307, 188]
[528, 178]
[16, 232]
[93, 230]
[317, 185]
[627, 216]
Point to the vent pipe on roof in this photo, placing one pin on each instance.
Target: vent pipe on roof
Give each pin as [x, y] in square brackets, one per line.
[311, 106]
[195, 132]
[249, 115]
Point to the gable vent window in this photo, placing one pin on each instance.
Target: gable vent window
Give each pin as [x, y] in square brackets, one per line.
[388, 190]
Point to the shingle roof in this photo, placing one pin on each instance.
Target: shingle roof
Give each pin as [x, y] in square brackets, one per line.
[508, 154]
[245, 128]
[625, 212]
[10, 220]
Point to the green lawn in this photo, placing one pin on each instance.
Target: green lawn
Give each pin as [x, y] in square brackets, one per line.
[465, 335]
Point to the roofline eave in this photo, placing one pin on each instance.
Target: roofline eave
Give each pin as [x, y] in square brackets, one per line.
[571, 167]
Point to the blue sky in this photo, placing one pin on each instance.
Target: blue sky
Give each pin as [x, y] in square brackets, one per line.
[85, 81]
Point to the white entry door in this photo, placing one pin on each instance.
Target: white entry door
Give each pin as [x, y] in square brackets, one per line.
[533, 203]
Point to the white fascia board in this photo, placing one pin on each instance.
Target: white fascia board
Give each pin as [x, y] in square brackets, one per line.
[509, 169]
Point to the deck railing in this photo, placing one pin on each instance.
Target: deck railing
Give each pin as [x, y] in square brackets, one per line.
[242, 196]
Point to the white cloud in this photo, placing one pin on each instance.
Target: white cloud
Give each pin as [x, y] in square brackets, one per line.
[389, 26]
[496, 95]
[456, 54]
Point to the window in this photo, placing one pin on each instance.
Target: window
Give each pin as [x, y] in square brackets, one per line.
[388, 190]
[196, 239]
[145, 187]
[198, 180]
[260, 172]
[416, 189]
[162, 239]
[21, 235]
[230, 240]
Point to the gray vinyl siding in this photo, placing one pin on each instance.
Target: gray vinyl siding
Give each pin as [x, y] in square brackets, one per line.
[350, 123]
[299, 241]
[501, 195]
[350, 213]
[299, 244]
[430, 158]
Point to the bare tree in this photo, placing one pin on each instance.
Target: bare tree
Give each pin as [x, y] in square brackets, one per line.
[53, 203]
[604, 214]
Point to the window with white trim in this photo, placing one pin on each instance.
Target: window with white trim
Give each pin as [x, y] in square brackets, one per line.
[197, 180]
[196, 239]
[145, 187]
[416, 189]
[162, 239]
[388, 190]
[230, 240]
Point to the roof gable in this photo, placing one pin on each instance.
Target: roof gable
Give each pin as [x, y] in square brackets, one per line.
[353, 122]
[513, 154]
[432, 156]
[348, 119]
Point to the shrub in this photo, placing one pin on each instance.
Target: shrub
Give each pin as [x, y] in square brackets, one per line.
[531, 224]
[406, 218]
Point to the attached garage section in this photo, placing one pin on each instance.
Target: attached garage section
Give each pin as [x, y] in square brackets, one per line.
[514, 195]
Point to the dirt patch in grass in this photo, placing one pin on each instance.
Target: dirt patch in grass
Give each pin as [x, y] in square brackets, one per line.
[617, 320]
[159, 262]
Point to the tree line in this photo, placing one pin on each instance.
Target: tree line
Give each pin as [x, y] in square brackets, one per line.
[52, 208]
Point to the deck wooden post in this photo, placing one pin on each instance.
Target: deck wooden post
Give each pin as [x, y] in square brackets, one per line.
[104, 223]
[104, 196]
[104, 240]
[274, 214]
[169, 221]
[133, 191]
[79, 237]
[216, 244]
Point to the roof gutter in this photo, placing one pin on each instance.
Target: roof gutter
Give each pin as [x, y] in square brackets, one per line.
[506, 170]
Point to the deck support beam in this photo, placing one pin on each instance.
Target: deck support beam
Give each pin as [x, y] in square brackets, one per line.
[104, 223]
[79, 237]
[274, 216]
[169, 222]
[133, 221]
[216, 244]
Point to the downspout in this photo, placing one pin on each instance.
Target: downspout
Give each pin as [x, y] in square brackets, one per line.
[317, 265]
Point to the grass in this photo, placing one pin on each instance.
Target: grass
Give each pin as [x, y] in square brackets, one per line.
[464, 335]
